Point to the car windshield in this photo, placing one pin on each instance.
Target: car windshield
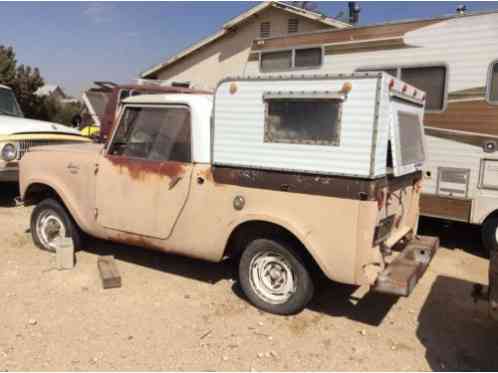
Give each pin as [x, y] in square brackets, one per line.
[8, 103]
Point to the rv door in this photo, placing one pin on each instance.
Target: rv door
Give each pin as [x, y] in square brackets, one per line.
[406, 135]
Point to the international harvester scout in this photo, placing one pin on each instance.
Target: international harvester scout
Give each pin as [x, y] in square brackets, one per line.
[288, 176]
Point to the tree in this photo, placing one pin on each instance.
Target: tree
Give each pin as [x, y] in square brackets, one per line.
[26, 83]
[7, 65]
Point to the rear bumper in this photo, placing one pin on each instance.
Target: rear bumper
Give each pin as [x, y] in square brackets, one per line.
[403, 273]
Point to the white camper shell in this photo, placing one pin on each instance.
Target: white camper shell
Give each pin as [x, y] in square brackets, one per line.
[364, 125]
[454, 59]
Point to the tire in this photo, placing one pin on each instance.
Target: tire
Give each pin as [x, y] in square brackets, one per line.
[50, 221]
[489, 234]
[263, 289]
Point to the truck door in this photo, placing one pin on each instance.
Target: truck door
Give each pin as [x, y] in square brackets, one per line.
[143, 177]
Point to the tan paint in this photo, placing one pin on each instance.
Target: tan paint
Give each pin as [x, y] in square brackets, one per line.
[338, 232]
[227, 56]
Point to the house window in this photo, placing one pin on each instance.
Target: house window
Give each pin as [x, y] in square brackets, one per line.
[264, 30]
[493, 83]
[431, 80]
[154, 134]
[303, 121]
[293, 25]
[275, 61]
[310, 57]
[290, 59]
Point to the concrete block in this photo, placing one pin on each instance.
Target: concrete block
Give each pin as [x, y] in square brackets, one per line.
[65, 254]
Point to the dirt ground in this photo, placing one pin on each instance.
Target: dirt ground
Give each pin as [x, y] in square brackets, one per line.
[174, 313]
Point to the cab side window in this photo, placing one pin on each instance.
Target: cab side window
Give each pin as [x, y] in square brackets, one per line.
[154, 134]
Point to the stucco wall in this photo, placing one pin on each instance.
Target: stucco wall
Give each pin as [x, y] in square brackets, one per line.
[228, 55]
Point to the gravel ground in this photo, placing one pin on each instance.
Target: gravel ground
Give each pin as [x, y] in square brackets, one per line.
[174, 313]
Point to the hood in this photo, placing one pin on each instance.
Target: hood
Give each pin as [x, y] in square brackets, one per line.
[71, 148]
[14, 125]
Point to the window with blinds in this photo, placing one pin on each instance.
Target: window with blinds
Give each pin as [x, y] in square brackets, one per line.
[264, 30]
[290, 59]
[293, 25]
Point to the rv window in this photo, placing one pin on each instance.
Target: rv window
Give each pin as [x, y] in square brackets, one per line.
[493, 84]
[411, 145]
[431, 79]
[303, 121]
[155, 134]
[274, 61]
[310, 57]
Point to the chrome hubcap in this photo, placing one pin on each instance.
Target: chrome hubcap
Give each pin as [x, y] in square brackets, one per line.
[50, 229]
[272, 278]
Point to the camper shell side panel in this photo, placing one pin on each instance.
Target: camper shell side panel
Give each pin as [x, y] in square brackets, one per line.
[239, 126]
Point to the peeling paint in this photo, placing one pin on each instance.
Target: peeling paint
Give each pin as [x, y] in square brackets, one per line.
[139, 169]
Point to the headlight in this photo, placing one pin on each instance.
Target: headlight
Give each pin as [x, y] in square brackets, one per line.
[9, 152]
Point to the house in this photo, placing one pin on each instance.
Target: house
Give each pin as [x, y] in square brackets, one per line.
[51, 90]
[56, 92]
[225, 53]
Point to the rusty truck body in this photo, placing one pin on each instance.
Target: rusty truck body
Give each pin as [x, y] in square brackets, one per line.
[286, 176]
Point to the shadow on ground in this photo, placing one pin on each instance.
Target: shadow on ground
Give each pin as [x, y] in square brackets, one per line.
[9, 191]
[330, 298]
[456, 332]
[454, 235]
[182, 266]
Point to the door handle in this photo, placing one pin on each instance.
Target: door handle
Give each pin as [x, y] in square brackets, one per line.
[174, 180]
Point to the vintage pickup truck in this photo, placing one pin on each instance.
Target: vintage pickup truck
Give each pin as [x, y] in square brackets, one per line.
[289, 176]
[18, 134]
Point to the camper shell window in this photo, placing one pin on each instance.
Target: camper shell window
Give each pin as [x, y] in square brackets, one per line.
[411, 143]
[302, 58]
[430, 79]
[303, 120]
[492, 91]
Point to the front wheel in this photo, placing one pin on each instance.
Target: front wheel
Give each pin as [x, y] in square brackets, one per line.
[489, 234]
[50, 223]
[274, 277]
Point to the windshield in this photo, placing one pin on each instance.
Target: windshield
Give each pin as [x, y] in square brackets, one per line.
[8, 103]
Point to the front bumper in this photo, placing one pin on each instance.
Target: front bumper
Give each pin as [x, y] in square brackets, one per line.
[402, 274]
[9, 174]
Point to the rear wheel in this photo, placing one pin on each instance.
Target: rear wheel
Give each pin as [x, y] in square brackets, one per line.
[274, 277]
[50, 223]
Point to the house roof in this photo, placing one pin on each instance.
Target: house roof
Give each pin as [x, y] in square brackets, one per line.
[229, 25]
[47, 90]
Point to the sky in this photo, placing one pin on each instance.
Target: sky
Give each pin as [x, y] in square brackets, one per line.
[76, 43]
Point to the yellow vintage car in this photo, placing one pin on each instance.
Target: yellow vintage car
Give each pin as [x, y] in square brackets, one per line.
[19, 134]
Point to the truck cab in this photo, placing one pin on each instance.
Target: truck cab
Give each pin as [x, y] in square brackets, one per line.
[18, 134]
[287, 176]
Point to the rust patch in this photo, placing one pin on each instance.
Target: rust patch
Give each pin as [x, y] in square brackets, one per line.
[138, 241]
[139, 169]
[324, 185]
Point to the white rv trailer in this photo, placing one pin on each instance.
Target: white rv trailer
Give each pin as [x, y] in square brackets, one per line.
[455, 60]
